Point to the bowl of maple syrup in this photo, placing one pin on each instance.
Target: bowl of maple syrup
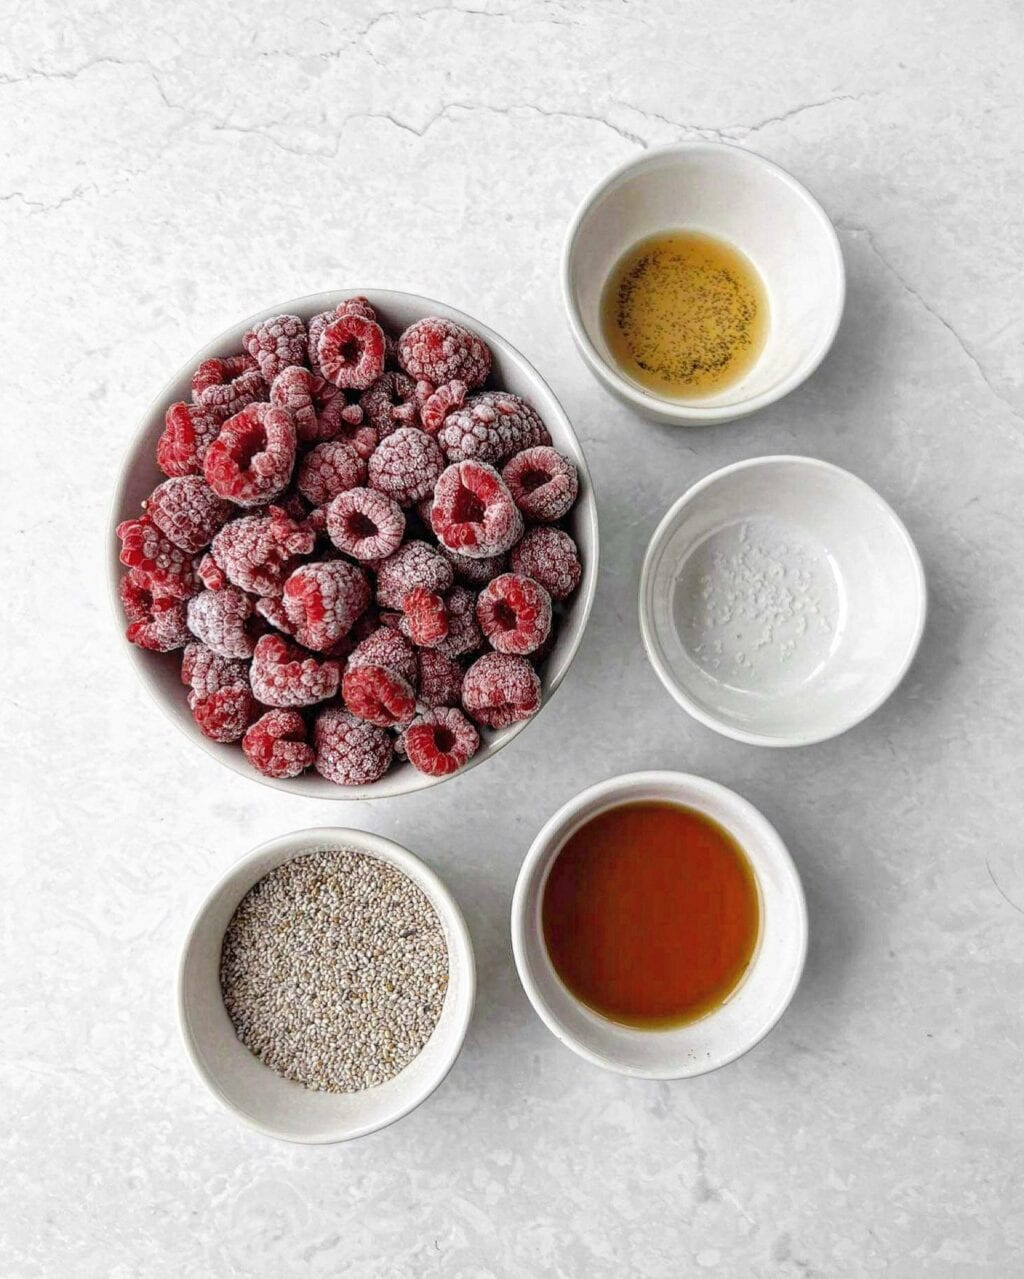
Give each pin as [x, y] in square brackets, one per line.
[659, 925]
[702, 282]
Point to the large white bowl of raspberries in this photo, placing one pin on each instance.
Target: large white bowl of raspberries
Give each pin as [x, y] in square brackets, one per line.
[354, 545]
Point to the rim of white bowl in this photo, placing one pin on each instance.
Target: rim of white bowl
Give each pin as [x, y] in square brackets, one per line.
[613, 789]
[583, 600]
[725, 727]
[441, 899]
[691, 412]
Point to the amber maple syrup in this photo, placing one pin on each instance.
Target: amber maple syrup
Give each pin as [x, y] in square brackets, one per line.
[684, 314]
[651, 914]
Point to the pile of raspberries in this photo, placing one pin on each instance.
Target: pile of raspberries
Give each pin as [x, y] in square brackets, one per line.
[358, 547]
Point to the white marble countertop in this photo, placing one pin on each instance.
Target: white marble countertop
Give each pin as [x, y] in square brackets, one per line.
[168, 168]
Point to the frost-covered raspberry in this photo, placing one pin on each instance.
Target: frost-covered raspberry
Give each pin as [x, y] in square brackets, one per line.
[388, 649]
[413, 564]
[276, 744]
[314, 331]
[251, 460]
[223, 621]
[437, 404]
[391, 403]
[474, 571]
[204, 672]
[440, 678]
[500, 689]
[189, 430]
[464, 633]
[351, 351]
[225, 387]
[473, 511]
[276, 343]
[282, 674]
[550, 557]
[378, 695]
[543, 483]
[441, 741]
[490, 427]
[187, 511]
[514, 613]
[169, 570]
[405, 465]
[221, 702]
[329, 469]
[322, 601]
[349, 751]
[305, 395]
[426, 616]
[343, 421]
[442, 351]
[156, 622]
[365, 524]
[211, 574]
[257, 552]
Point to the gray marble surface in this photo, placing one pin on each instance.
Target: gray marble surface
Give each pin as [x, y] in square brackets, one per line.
[167, 169]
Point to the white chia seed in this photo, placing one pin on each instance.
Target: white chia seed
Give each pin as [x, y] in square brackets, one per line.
[334, 970]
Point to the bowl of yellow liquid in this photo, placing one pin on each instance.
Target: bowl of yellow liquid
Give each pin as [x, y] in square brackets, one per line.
[702, 283]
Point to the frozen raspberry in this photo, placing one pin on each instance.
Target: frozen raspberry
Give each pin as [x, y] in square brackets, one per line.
[490, 427]
[257, 552]
[224, 715]
[277, 343]
[405, 465]
[438, 404]
[365, 524]
[347, 422]
[276, 744]
[550, 557]
[388, 649]
[305, 395]
[204, 672]
[426, 616]
[168, 569]
[414, 564]
[329, 469]
[440, 678]
[188, 432]
[211, 574]
[225, 387]
[351, 351]
[390, 403]
[464, 633]
[378, 695]
[500, 689]
[357, 306]
[474, 571]
[442, 351]
[223, 621]
[514, 613]
[187, 511]
[441, 741]
[349, 751]
[156, 622]
[282, 674]
[322, 601]
[251, 460]
[543, 483]
[473, 511]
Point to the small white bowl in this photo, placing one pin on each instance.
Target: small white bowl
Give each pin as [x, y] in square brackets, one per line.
[754, 1006]
[781, 601]
[251, 1091]
[139, 475]
[745, 200]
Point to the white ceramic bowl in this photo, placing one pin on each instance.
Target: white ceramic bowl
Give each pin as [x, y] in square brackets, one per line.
[745, 200]
[139, 475]
[754, 1006]
[251, 1091]
[781, 601]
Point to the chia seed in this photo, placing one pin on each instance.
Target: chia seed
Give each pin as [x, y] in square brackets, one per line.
[334, 970]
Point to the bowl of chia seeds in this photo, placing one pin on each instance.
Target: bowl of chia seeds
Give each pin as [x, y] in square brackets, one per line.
[326, 985]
